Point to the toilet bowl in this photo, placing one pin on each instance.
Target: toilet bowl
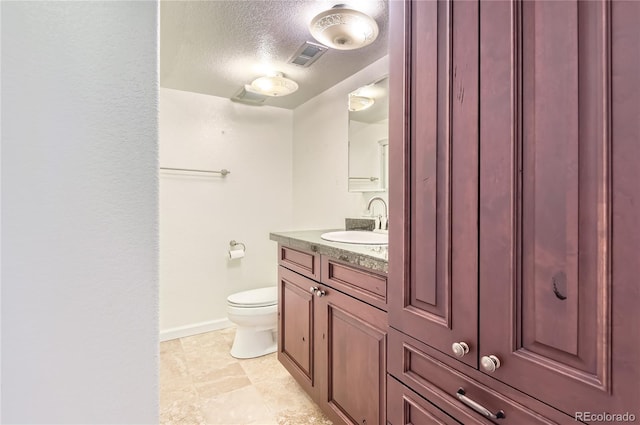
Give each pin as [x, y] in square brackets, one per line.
[255, 314]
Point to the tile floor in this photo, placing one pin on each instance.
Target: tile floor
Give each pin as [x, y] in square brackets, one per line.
[200, 383]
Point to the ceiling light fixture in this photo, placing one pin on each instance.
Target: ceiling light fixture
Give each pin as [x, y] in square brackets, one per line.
[342, 28]
[359, 103]
[275, 84]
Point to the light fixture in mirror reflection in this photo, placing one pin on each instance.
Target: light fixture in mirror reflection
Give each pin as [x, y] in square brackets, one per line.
[369, 137]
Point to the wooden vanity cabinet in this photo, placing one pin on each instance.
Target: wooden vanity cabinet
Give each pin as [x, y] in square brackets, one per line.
[297, 329]
[515, 202]
[334, 344]
[352, 360]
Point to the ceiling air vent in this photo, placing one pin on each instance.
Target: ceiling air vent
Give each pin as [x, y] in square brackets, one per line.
[249, 97]
[307, 54]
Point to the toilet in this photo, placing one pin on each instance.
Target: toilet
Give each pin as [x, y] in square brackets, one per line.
[255, 313]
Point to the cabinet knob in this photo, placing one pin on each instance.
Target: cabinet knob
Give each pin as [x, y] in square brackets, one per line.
[320, 292]
[490, 363]
[313, 289]
[460, 348]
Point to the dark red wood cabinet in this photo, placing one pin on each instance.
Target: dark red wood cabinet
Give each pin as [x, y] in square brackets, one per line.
[332, 343]
[515, 200]
[297, 340]
[352, 362]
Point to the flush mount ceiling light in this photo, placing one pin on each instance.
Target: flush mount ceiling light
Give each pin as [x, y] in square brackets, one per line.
[359, 103]
[273, 85]
[343, 28]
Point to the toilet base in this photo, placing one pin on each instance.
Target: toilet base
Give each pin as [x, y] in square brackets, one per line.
[250, 343]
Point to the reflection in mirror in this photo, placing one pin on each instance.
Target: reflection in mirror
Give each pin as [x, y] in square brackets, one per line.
[369, 137]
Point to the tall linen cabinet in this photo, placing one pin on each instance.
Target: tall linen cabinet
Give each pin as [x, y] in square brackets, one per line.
[514, 269]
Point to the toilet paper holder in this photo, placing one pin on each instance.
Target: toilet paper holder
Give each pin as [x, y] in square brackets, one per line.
[234, 244]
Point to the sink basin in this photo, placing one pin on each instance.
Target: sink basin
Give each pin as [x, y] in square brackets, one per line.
[357, 237]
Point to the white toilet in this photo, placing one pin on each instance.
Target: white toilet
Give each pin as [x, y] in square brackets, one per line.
[255, 313]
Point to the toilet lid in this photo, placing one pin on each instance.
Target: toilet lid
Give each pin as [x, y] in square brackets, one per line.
[260, 297]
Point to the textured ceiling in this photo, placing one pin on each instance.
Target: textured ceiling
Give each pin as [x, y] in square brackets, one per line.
[216, 47]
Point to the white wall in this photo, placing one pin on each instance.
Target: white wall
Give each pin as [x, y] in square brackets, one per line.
[79, 212]
[200, 215]
[321, 199]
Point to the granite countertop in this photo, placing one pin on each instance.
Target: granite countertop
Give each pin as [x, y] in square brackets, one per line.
[372, 257]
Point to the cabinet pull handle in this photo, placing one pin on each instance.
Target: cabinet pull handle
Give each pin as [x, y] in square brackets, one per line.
[478, 407]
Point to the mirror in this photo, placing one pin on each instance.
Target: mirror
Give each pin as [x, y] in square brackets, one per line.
[369, 137]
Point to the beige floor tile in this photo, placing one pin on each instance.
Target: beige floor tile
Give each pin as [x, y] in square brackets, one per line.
[207, 360]
[284, 394]
[216, 340]
[264, 368]
[201, 383]
[204, 373]
[228, 334]
[241, 407]
[179, 389]
[181, 412]
[219, 381]
[170, 346]
[179, 402]
[314, 417]
[173, 362]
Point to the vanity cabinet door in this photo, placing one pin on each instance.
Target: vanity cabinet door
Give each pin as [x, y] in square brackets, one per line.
[352, 359]
[296, 327]
[433, 264]
[558, 259]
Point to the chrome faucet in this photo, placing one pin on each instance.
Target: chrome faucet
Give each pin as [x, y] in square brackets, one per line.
[383, 224]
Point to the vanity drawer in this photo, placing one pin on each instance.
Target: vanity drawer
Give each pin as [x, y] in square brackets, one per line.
[363, 284]
[440, 383]
[405, 406]
[304, 262]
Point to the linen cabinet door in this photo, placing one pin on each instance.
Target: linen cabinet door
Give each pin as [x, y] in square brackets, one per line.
[556, 310]
[352, 360]
[434, 163]
[296, 328]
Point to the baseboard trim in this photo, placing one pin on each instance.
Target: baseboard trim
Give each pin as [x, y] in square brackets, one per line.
[195, 328]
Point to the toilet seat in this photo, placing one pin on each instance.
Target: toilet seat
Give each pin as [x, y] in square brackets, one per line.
[261, 297]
